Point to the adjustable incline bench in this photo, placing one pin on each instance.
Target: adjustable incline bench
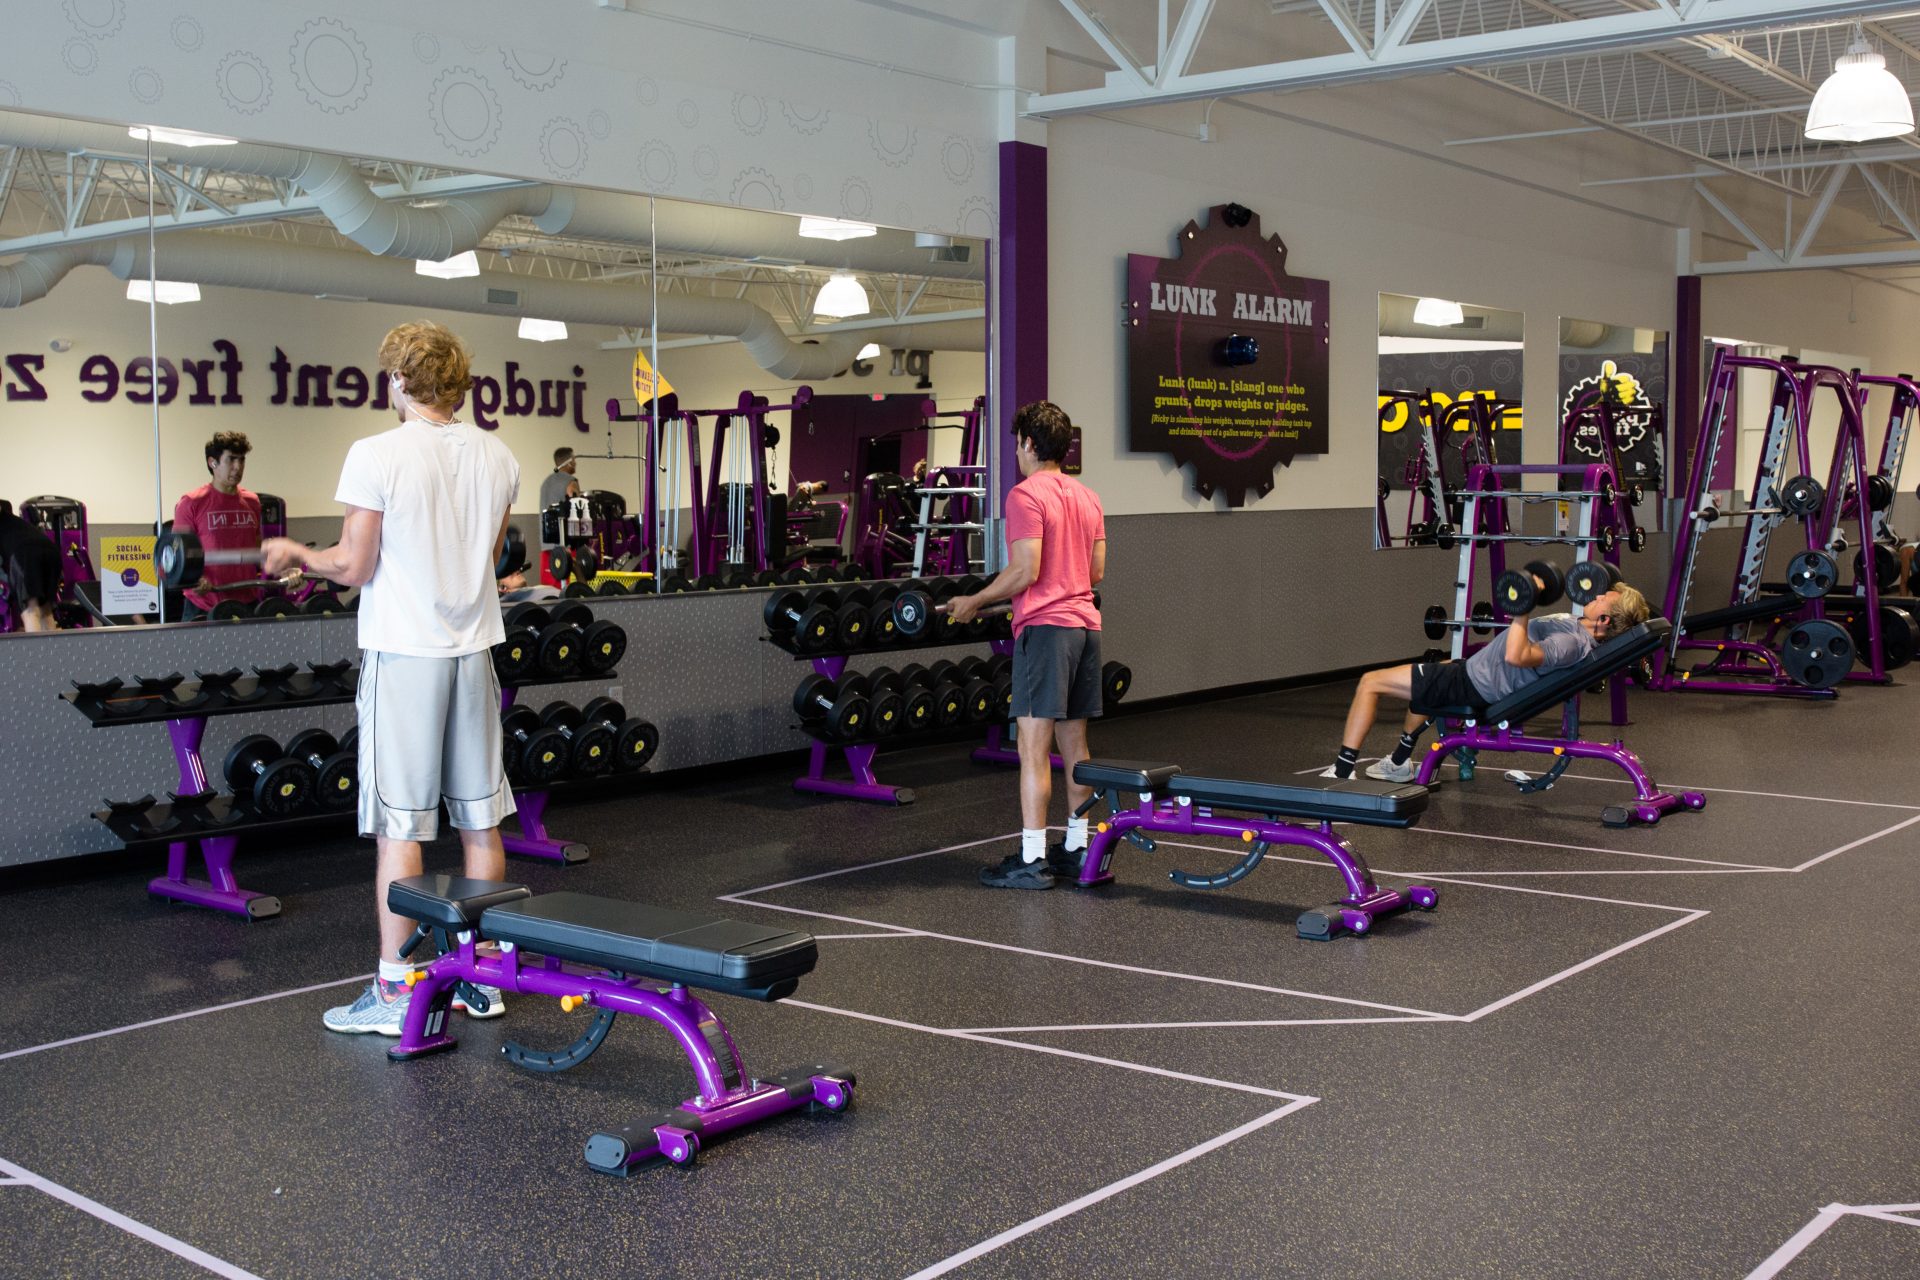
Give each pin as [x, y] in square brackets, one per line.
[1494, 729]
[1737, 666]
[615, 956]
[1189, 809]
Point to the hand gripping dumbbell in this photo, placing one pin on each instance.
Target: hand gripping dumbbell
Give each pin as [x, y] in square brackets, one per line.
[590, 741]
[257, 769]
[634, 740]
[336, 769]
[1519, 593]
[536, 754]
[840, 715]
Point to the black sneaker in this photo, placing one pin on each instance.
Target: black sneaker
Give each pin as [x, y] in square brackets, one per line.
[1012, 872]
[1064, 864]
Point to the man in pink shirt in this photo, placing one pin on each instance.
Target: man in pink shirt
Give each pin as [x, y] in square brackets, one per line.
[1056, 555]
[225, 517]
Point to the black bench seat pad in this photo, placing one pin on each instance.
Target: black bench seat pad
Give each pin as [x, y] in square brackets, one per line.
[708, 952]
[1128, 775]
[1751, 611]
[1556, 687]
[1362, 800]
[451, 902]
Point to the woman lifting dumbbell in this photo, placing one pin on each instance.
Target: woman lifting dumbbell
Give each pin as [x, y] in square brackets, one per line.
[1527, 650]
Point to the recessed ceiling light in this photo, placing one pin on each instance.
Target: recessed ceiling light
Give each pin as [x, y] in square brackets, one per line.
[542, 330]
[179, 137]
[835, 229]
[460, 264]
[167, 291]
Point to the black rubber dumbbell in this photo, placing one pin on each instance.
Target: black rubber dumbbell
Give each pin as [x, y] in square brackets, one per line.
[1519, 592]
[634, 740]
[1115, 680]
[818, 702]
[258, 770]
[603, 642]
[322, 602]
[535, 754]
[916, 700]
[1591, 579]
[553, 642]
[589, 742]
[886, 710]
[612, 587]
[807, 616]
[881, 628]
[336, 770]
[976, 691]
[274, 607]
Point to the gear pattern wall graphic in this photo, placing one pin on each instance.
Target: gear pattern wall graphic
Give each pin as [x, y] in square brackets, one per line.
[244, 82]
[1226, 356]
[331, 65]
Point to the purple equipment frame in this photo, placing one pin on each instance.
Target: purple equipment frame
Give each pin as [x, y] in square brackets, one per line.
[717, 1106]
[1470, 738]
[1363, 902]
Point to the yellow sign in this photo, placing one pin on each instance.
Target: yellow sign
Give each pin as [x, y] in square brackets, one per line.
[129, 584]
[644, 378]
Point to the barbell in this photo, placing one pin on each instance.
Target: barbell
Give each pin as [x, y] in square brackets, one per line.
[180, 561]
[1800, 496]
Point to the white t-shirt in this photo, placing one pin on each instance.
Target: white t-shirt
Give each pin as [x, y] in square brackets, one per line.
[442, 493]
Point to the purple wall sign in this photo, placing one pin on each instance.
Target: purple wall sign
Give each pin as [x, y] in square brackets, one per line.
[1226, 356]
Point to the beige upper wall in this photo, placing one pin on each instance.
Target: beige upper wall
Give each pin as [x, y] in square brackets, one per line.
[1367, 218]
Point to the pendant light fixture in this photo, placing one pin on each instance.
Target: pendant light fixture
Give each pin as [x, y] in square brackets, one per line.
[1861, 100]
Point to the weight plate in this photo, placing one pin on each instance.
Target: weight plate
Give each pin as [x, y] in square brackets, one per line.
[1886, 566]
[593, 747]
[338, 785]
[1817, 653]
[545, 757]
[230, 611]
[513, 657]
[636, 743]
[557, 651]
[283, 787]
[612, 587]
[602, 645]
[1899, 636]
[273, 607]
[1115, 680]
[1812, 574]
[242, 756]
[1802, 496]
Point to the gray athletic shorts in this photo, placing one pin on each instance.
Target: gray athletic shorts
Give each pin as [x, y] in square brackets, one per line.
[430, 735]
[1056, 673]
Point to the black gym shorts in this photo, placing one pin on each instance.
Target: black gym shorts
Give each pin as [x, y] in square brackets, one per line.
[1439, 685]
[1056, 673]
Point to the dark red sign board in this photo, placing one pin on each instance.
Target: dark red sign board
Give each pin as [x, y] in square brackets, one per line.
[1226, 356]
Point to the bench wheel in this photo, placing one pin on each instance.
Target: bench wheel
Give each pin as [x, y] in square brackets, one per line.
[1423, 897]
[678, 1146]
[832, 1095]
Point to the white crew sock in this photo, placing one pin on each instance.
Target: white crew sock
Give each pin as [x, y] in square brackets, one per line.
[1033, 844]
[1076, 834]
[394, 970]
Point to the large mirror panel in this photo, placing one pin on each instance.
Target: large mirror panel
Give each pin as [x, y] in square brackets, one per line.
[812, 372]
[1450, 383]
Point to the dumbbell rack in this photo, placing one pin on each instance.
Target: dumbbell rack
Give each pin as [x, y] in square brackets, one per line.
[200, 815]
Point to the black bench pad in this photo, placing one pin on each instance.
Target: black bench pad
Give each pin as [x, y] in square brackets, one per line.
[451, 902]
[1735, 614]
[1362, 800]
[1556, 687]
[1128, 775]
[708, 952]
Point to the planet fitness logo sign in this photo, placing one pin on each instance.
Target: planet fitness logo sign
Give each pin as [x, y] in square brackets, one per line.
[1633, 412]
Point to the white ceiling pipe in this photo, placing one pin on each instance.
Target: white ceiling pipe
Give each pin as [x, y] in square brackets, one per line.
[29, 279]
[246, 262]
[400, 230]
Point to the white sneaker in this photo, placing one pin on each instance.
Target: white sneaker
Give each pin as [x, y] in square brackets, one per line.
[375, 1012]
[496, 1005]
[1387, 771]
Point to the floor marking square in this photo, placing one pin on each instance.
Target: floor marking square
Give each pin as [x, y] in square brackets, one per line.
[1778, 1260]
[139, 1230]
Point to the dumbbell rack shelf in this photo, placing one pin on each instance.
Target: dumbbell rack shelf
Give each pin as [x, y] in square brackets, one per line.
[200, 815]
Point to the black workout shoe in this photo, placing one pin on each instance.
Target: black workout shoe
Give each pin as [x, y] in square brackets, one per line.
[1064, 865]
[1012, 872]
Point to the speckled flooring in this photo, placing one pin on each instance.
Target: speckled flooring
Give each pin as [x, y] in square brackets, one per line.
[1656, 1052]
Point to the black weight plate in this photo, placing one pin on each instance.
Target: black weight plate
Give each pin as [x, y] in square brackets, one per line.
[979, 701]
[1879, 492]
[612, 587]
[848, 719]
[274, 607]
[850, 622]
[557, 650]
[544, 758]
[308, 743]
[321, 602]
[602, 645]
[242, 756]
[917, 710]
[1899, 636]
[593, 747]
[283, 787]
[1812, 574]
[809, 694]
[513, 657]
[1434, 623]
[1115, 679]
[338, 784]
[528, 615]
[1886, 566]
[880, 625]
[1482, 615]
[888, 714]
[230, 611]
[1817, 653]
[561, 714]
[912, 611]
[817, 629]
[949, 705]
[518, 719]
[603, 709]
[573, 613]
[579, 591]
[1802, 496]
[636, 743]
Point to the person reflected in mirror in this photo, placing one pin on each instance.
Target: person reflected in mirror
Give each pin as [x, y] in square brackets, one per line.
[30, 566]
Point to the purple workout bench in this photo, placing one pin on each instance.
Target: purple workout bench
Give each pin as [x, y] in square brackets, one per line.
[615, 956]
[1189, 809]
[1494, 729]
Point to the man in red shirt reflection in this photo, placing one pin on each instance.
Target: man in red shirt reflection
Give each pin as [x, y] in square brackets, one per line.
[225, 517]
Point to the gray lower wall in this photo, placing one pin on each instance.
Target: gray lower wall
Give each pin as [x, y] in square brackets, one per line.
[1194, 601]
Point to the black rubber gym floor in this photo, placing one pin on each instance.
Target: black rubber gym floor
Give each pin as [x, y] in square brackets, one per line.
[1677, 1051]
